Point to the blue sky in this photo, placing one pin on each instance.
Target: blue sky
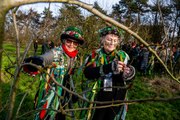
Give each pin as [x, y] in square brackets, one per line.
[105, 4]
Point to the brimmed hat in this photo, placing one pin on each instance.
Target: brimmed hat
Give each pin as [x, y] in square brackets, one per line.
[108, 30]
[73, 33]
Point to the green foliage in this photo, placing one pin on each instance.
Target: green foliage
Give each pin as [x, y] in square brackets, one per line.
[5, 95]
[8, 60]
[26, 86]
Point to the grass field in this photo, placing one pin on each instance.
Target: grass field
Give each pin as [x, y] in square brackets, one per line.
[144, 87]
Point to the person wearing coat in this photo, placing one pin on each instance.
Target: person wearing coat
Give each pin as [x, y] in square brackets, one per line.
[51, 99]
[109, 68]
[35, 47]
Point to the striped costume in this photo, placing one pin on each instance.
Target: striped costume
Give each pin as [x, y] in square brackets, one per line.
[50, 95]
[93, 63]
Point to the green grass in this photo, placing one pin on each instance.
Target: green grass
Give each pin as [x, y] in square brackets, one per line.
[143, 88]
[26, 84]
[152, 110]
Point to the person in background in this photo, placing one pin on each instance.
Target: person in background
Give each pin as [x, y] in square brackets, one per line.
[133, 54]
[50, 99]
[35, 47]
[143, 59]
[109, 68]
[51, 45]
[45, 47]
[163, 53]
[176, 59]
[175, 54]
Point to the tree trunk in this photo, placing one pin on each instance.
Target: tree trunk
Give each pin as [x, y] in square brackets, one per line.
[2, 20]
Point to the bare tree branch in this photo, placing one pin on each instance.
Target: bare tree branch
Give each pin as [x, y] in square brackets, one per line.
[8, 4]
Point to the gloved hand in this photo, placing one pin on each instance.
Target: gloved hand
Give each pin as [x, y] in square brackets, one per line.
[129, 73]
[118, 67]
[31, 69]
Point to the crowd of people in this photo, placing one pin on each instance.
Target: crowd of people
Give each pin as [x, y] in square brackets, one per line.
[147, 64]
[109, 69]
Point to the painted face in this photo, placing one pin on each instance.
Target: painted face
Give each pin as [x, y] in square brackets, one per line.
[71, 45]
[110, 42]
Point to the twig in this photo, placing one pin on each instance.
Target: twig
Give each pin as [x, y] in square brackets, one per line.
[17, 36]
[121, 102]
[115, 103]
